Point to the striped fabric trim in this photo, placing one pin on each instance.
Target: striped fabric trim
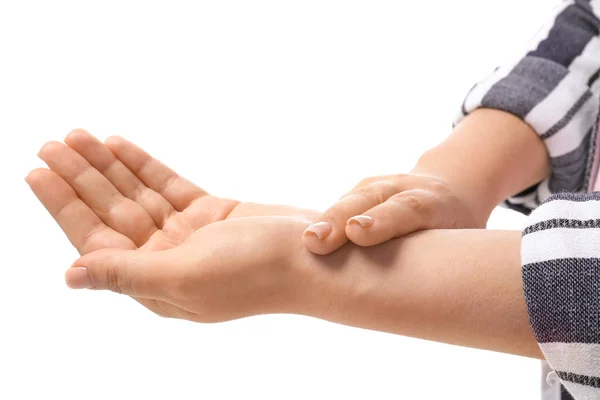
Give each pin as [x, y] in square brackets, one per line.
[562, 223]
[587, 95]
[549, 244]
[564, 394]
[585, 380]
[553, 86]
[579, 392]
[560, 253]
[586, 354]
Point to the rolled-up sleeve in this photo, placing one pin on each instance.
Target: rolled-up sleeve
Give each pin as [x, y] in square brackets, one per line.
[554, 87]
[560, 254]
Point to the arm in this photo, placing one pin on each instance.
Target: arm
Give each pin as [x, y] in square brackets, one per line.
[530, 121]
[204, 266]
[471, 289]
[218, 259]
[489, 156]
[468, 291]
[553, 87]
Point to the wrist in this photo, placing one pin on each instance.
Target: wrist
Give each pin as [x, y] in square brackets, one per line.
[490, 155]
[335, 287]
[290, 272]
[478, 196]
[309, 283]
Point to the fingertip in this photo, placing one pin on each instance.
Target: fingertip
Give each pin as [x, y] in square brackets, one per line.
[35, 176]
[47, 148]
[363, 221]
[42, 150]
[312, 239]
[360, 235]
[78, 278]
[359, 230]
[318, 239]
[76, 135]
[114, 141]
[320, 230]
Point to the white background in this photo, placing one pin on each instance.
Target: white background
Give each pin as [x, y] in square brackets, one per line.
[273, 101]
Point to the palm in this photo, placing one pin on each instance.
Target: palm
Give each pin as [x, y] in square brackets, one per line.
[114, 195]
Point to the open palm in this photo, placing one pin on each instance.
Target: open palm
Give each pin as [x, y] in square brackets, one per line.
[114, 201]
[115, 195]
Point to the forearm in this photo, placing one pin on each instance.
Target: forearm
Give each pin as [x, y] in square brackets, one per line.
[462, 287]
[490, 155]
[553, 88]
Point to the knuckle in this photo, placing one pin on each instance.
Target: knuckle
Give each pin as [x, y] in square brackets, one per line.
[334, 213]
[378, 191]
[437, 186]
[366, 181]
[113, 281]
[370, 180]
[384, 186]
[412, 201]
[382, 190]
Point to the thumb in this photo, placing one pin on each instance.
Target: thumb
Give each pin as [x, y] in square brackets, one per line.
[130, 272]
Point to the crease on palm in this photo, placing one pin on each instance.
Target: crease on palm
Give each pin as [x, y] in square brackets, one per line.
[115, 195]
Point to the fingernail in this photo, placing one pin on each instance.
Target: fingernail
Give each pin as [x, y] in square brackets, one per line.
[321, 229]
[363, 220]
[78, 278]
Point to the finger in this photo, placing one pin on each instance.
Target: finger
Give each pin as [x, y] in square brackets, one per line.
[177, 190]
[368, 181]
[83, 227]
[401, 214]
[125, 181]
[151, 275]
[328, 233]
[118, 212]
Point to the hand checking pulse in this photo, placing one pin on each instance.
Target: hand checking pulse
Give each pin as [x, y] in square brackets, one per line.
[385, 207]
[146, 232]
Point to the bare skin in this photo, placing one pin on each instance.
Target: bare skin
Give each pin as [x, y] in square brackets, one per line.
[146, 232]
[490, 155]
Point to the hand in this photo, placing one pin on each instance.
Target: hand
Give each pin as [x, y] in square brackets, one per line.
[385, 207]
[145, 234]
[225, 270]
[115, 202]
[115, 195]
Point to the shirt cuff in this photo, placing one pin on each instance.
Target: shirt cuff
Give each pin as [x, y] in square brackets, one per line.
[560, 255]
